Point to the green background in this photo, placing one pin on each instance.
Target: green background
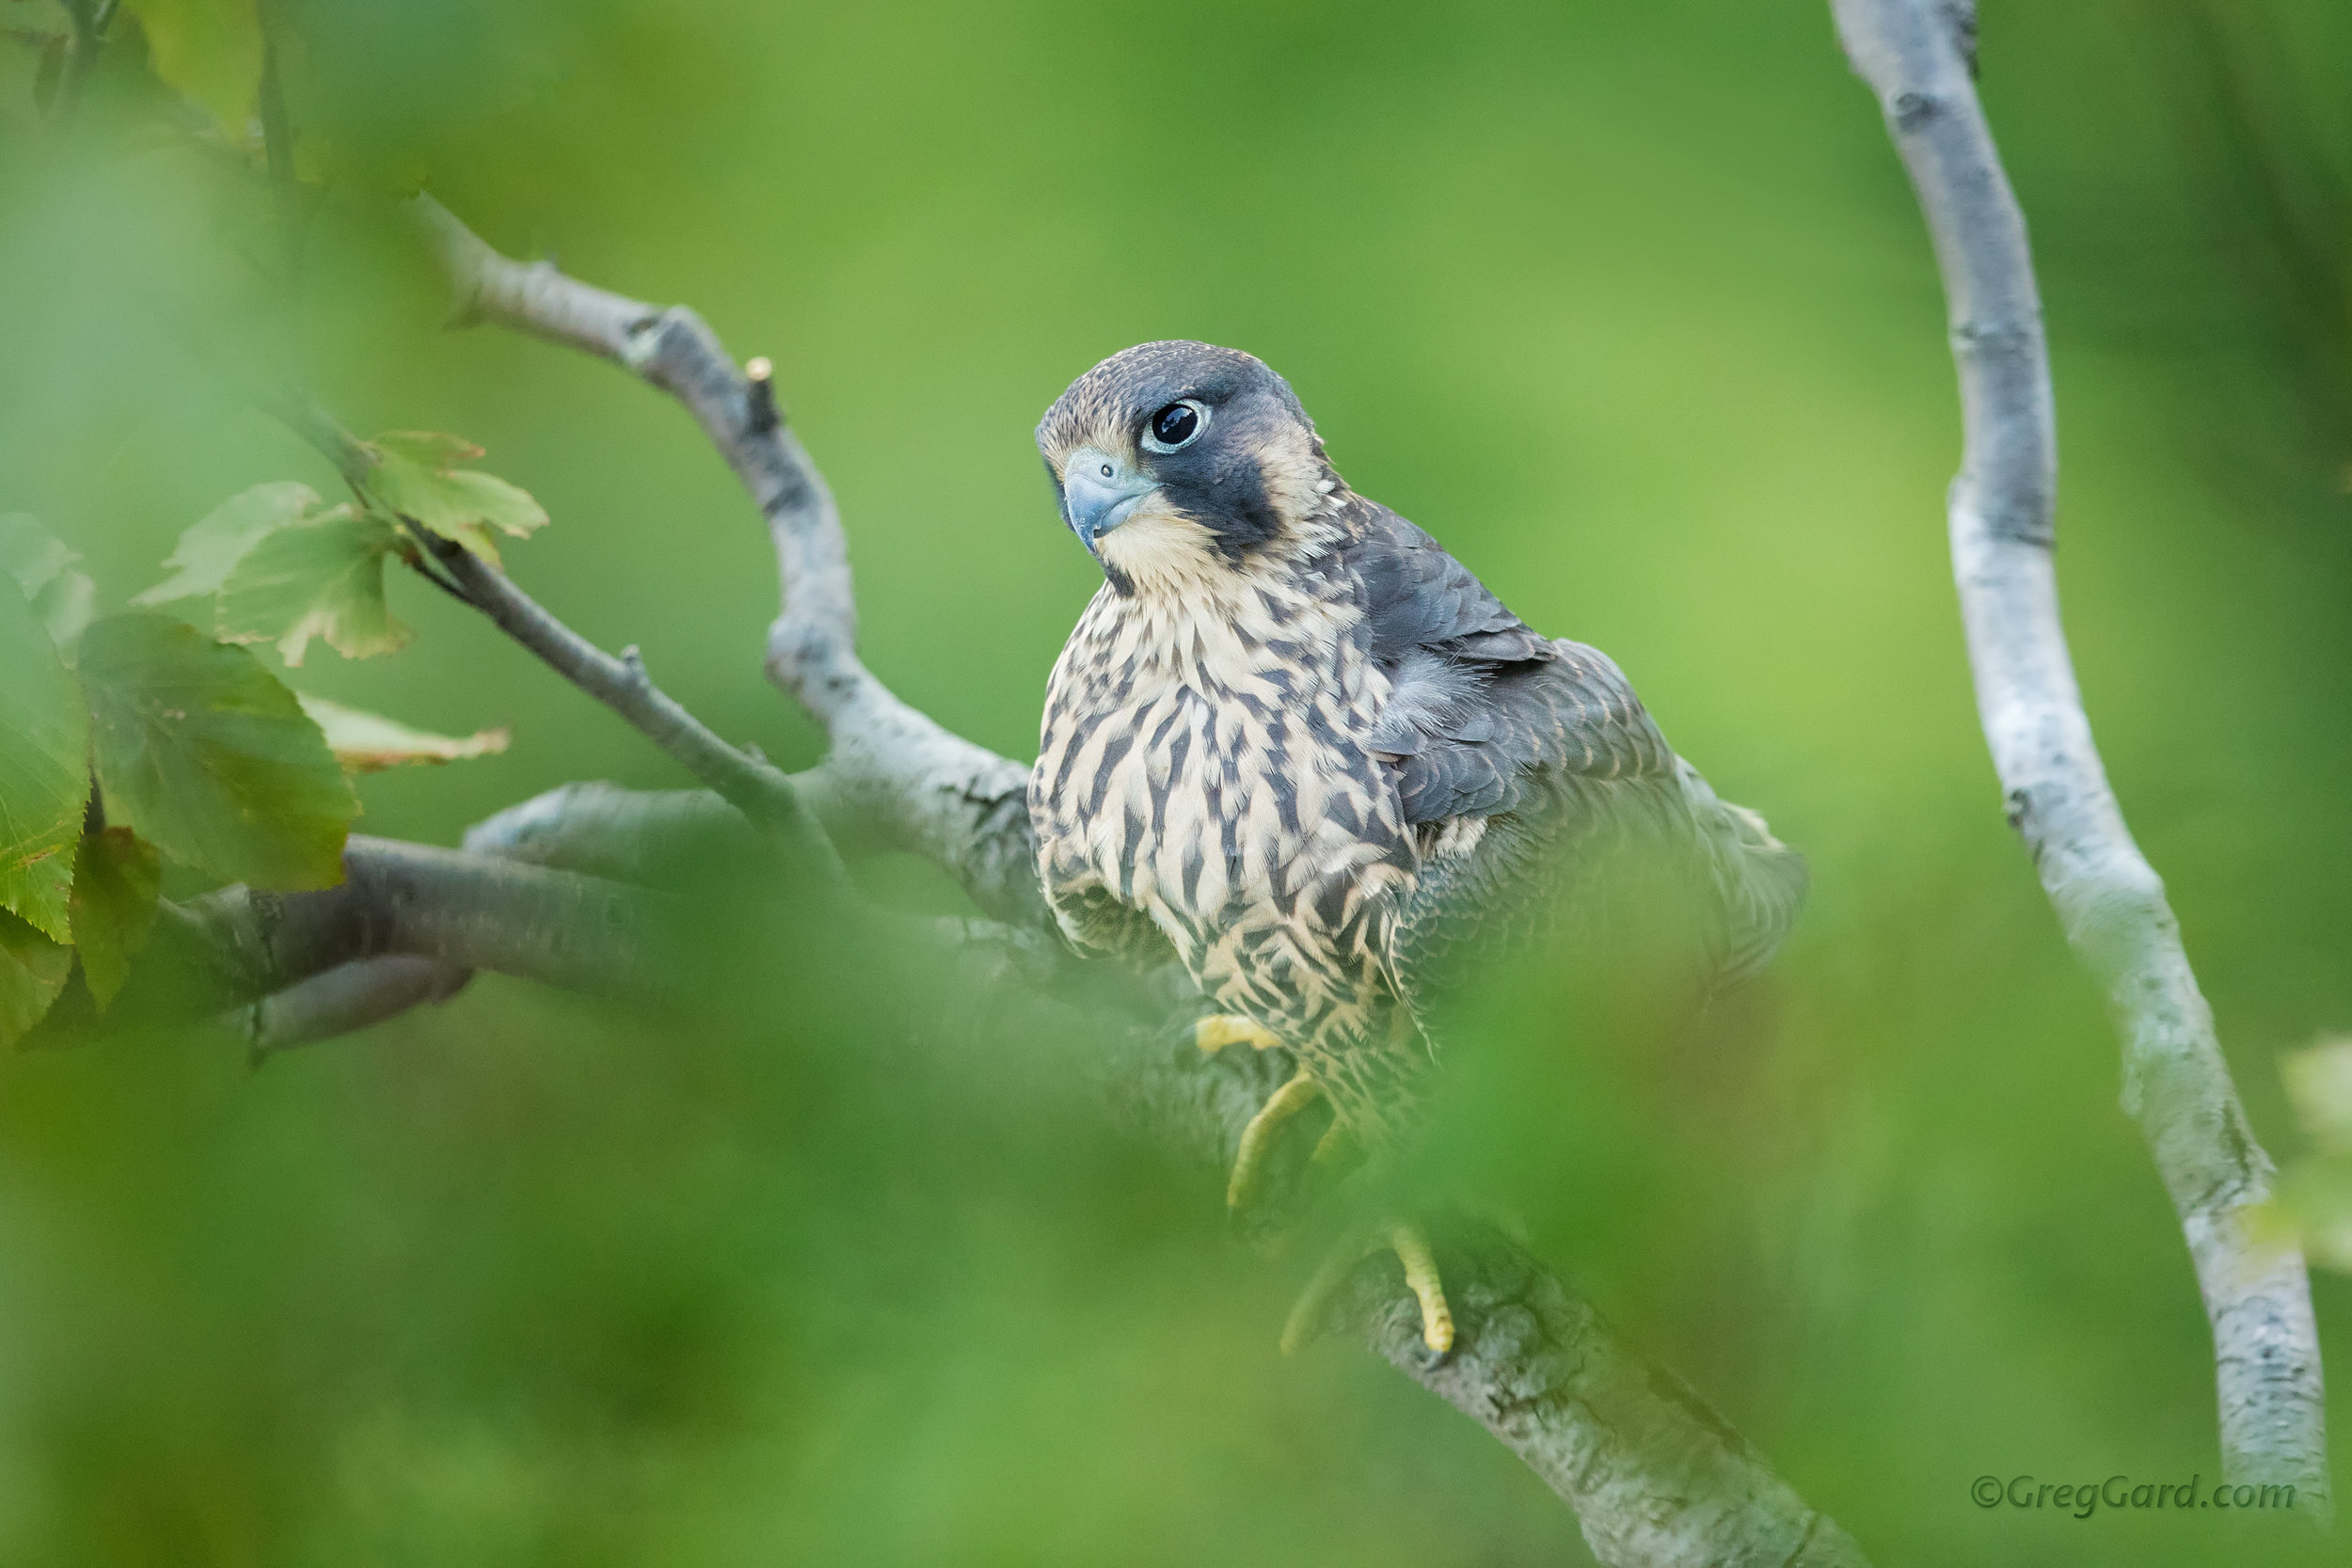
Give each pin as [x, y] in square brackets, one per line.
[1630, 304]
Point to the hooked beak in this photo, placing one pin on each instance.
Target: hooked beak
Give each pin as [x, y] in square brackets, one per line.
[1099, 493]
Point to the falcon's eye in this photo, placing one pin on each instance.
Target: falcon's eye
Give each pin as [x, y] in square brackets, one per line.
[1176, 425]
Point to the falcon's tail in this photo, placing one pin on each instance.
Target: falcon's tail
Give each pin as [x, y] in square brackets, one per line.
[1760, 882]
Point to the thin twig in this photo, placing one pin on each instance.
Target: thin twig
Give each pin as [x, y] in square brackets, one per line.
[90, 19]
[2109, 900]
[277, 142]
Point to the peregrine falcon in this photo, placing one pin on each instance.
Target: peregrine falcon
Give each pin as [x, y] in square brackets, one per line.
[1297, 745]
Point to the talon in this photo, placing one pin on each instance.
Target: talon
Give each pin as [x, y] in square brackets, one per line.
[1411, 1245]
[1215, 1032]
[1257, 1139]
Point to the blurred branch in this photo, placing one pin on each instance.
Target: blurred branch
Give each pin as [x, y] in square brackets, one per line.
[91, 19]
[2279, 207]
[930, 789]
[277, 146]
[238, 946]
[750, 784]
[2109, 900]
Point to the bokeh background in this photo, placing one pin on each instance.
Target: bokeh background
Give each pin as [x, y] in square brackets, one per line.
[1630, 304]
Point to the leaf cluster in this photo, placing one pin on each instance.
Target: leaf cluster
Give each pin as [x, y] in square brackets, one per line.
[156, 734]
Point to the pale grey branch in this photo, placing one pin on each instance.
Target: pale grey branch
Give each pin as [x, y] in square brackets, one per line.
[930, 789]
[348, 998]
[237, 946]
[1916, 56]
[754, 786]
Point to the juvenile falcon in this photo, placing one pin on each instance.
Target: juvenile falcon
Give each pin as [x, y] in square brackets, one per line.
[1294, 740]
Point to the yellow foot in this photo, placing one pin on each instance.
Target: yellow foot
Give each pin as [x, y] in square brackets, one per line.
[1411, 1246]
[1257, 1139]
[1215, 1032]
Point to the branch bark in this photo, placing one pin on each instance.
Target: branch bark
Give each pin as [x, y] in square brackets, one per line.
[1915, 54]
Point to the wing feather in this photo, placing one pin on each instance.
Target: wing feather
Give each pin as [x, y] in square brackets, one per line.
[1523, 760]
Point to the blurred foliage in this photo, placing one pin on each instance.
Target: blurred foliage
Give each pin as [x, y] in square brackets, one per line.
[1630, 304]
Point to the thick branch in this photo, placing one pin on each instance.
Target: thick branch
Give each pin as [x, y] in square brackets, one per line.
[931, 791]
[2109, 900]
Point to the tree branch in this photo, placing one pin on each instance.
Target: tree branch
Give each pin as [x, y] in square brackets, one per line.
[753, 786]
[930, 789]
[2108, 899]
[348, 998]
[237, 946]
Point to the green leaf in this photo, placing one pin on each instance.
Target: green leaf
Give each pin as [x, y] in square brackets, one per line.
[369, 742]
[2319, 1084]
[210, 50]
[33, 971]
[210, 550]
[322, 576]
[117, 875]
[45, 769]
[64, 599]
[2314, 1199]
[417, 476]
[204, 753]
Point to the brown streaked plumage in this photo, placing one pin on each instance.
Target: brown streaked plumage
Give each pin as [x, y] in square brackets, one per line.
[1295, 742]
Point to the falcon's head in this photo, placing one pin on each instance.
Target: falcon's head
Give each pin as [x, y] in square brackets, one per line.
[1176, 460]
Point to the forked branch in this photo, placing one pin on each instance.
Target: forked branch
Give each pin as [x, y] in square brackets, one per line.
[1915, 56]
[926, 788]
[762, 792]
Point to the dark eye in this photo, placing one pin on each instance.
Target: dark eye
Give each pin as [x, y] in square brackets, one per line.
[1175, 425]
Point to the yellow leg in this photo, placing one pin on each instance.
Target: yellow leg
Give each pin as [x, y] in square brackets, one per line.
[1411, 1246]
[1215, 1032]
[1257, 1139]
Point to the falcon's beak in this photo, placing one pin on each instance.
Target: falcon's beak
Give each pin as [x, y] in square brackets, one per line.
[1099, 493]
